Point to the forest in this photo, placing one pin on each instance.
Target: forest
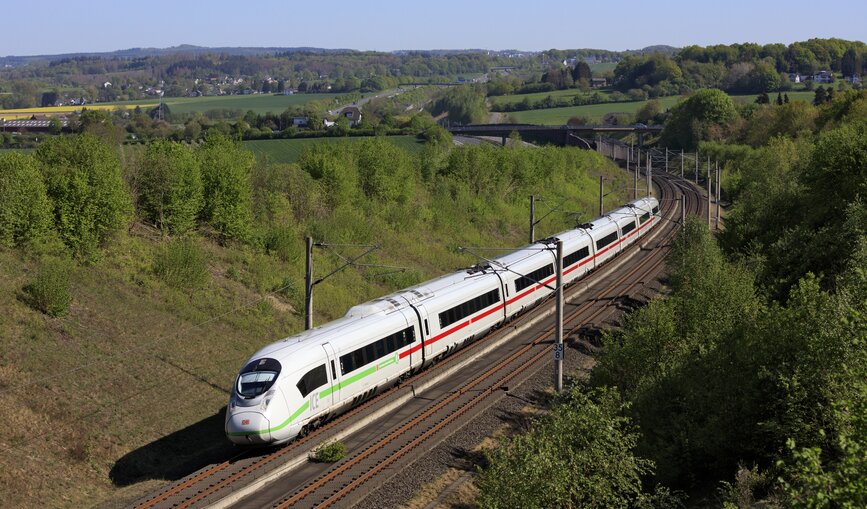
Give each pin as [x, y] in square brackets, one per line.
[747, 386]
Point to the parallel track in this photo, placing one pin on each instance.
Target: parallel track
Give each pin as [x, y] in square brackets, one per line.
[204, 487]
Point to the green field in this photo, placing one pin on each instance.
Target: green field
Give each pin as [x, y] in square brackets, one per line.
[538, 96]
[289, 151]
[598, 69]
[593, 112]
[259, 103]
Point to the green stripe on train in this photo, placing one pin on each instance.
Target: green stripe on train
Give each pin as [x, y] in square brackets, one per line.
[282, 425]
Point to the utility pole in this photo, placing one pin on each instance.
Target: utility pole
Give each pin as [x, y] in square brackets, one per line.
[308, 284]
[683, 211]
[709, 193]
[601, 206]
[635, 176]
[696, 167]
[532, 218]
[718, 189]
[559, 352]
[649, 171]
[681, 163]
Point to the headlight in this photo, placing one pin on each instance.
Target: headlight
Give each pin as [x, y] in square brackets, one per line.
[267, 399]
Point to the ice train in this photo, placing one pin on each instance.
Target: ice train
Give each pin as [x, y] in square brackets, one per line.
[290, 386]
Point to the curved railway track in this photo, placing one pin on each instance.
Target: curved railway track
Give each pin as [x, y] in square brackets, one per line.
[423, 429]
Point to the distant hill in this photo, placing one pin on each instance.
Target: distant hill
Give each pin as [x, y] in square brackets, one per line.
[189, 49]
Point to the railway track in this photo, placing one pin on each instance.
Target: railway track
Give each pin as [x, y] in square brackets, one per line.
[381, 455]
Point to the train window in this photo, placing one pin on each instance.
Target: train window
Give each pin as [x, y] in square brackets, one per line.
[576, 257]
[655, 210]
[376, 350]
[534, 277]
[313, 379]
[606, 240]
[257, 377]
[645, 217]
[628, 227]
[469, 307]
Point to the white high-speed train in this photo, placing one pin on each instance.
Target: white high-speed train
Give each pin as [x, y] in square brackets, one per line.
[292, 385]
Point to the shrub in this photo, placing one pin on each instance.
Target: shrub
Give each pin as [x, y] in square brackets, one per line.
[50, 291]
[328, 452]
[85, 185]
[170, 192]
[226, 175]
[25, 212]
[182, 264]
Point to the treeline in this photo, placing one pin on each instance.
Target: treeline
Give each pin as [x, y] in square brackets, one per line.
[211, 74]
[747, 386]
[738, 68]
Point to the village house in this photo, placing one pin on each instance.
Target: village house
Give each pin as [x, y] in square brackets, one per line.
[353, 114]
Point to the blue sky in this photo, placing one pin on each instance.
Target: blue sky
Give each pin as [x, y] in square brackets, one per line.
[54, 26]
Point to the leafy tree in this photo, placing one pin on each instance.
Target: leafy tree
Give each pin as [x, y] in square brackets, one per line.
[85, 185]
[170, 186]
[779, 99]
[226, 174]
[763, 98]
[580, 455]
[690, 121]
[851, 63]
[581, 71]
[820, 96]
[25, 212]
[464, 104]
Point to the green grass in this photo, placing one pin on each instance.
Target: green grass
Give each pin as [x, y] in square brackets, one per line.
[598, 69]
[593, 112]
[289, 151]
[259, 103]
[538, 96]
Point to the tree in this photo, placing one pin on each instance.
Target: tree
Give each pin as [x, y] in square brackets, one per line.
[581, 71]
[786, 98]
[691, 120]
[820, 96]
[850, 64]
[226, 174]
[779, 99]
[170, 186]
[84, 182]
[25, 212]
[580, 455]
[763, 98]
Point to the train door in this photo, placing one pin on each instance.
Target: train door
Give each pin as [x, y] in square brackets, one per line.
[331, 395]
[417, 358]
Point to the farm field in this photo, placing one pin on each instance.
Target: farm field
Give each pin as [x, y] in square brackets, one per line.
[289, 151]
[598, 69]
[538, 96]
[259, 103]
[592, 112]
[595, 112]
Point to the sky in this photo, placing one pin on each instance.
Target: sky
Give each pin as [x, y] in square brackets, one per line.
[54, 26]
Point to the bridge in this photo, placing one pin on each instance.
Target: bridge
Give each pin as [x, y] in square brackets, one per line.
[576, 135]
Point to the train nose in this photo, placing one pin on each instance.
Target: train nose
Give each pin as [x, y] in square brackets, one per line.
[248, 428]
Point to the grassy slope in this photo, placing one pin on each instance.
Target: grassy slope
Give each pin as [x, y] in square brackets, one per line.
[538, 96]
[259, 103]
[595, 112]
[126, 390]
[289, 151]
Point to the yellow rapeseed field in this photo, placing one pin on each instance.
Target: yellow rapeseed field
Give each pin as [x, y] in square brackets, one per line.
[23, 113]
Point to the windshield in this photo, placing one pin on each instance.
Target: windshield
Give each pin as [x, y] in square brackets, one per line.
[255, 383]
[257, 377]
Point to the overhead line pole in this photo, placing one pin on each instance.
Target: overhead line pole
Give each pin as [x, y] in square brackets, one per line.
[718, 190]
[559, 351]
[532, 218]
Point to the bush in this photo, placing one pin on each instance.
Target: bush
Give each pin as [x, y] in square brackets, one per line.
[182, 264]
[50, 291]
[85, 185]
[25, 212]
[226, 175]
[328, 452]
[170, 192]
